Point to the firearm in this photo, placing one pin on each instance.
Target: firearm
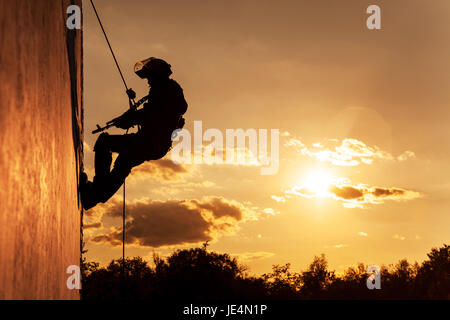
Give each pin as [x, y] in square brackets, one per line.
[111, 123]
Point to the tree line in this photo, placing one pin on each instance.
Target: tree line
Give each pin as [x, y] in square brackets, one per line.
[198, 274]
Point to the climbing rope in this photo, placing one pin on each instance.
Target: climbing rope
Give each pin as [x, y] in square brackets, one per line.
[131, 102]
[123, 230]
[109, 45]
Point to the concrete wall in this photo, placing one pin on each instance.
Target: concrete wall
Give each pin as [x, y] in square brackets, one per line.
[40, 148]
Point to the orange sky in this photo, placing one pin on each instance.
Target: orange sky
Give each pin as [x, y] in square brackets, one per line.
[376, 101]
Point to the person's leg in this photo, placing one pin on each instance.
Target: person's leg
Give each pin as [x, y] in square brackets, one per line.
[108, 181]
[122, 168]
[103, 156]
[91, 191]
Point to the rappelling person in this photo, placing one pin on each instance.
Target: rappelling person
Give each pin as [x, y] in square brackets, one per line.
[156, 121]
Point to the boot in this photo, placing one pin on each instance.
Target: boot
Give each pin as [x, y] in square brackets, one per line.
[87, 192]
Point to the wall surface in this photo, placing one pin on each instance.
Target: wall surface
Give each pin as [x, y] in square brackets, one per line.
[40, 148]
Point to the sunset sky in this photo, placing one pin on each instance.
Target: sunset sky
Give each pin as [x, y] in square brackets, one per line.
[362, 115]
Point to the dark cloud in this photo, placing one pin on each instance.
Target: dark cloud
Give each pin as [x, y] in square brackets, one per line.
[347, 192]
[95, 225]
[380, 192]
[220, 208]
[365, 194]
[356, 195]
[174, 222]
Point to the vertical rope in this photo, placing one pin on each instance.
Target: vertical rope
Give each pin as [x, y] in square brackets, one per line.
[131, 102]
[109, 45]
[123, 231]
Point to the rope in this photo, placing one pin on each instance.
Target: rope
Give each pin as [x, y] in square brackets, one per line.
[109, 45]
[131, 101]
[123, 230]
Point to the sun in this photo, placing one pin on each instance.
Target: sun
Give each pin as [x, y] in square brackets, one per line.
[319, 182]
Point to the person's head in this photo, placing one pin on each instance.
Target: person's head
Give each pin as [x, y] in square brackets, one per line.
[153, 69]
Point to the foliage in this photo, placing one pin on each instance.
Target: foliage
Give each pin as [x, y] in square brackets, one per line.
[200, 275]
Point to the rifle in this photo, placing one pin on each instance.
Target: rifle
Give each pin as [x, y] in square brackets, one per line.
[111, 123]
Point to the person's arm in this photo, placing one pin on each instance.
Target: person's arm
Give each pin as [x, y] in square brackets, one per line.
[129, 119]
[138, 117]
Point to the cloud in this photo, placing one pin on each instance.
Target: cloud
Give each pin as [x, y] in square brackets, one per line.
[236, 156]
[355, 196]
[406, 155]
[95, 225]
[220, 208]
[350, 152]
[175, 222]
[278, 198]
[270, 211]
[252, 256]
[296, 144]
[347, 192]
[362, 234]
[162, 169]
[398, 237]
[337, 246]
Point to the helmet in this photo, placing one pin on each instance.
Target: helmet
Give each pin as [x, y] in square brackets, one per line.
[152, 66]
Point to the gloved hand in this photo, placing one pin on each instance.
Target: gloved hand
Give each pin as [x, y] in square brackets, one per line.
[131, 94]
[125, 121]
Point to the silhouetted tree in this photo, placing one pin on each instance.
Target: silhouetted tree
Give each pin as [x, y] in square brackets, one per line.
[317, 279]
[353, 283]
[111, 283]
[201, 275]
[433, 277]
[398, 280]
[198, 274]
[282, 283]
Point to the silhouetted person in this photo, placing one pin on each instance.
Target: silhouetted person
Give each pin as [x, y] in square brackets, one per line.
[161, 115]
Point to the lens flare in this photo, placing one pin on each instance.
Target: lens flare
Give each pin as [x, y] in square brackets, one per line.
[319, 183]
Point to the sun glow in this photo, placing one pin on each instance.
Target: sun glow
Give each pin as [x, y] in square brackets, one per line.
[319, 182]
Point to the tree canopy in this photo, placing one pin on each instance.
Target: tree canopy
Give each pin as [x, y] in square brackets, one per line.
[201, 275]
